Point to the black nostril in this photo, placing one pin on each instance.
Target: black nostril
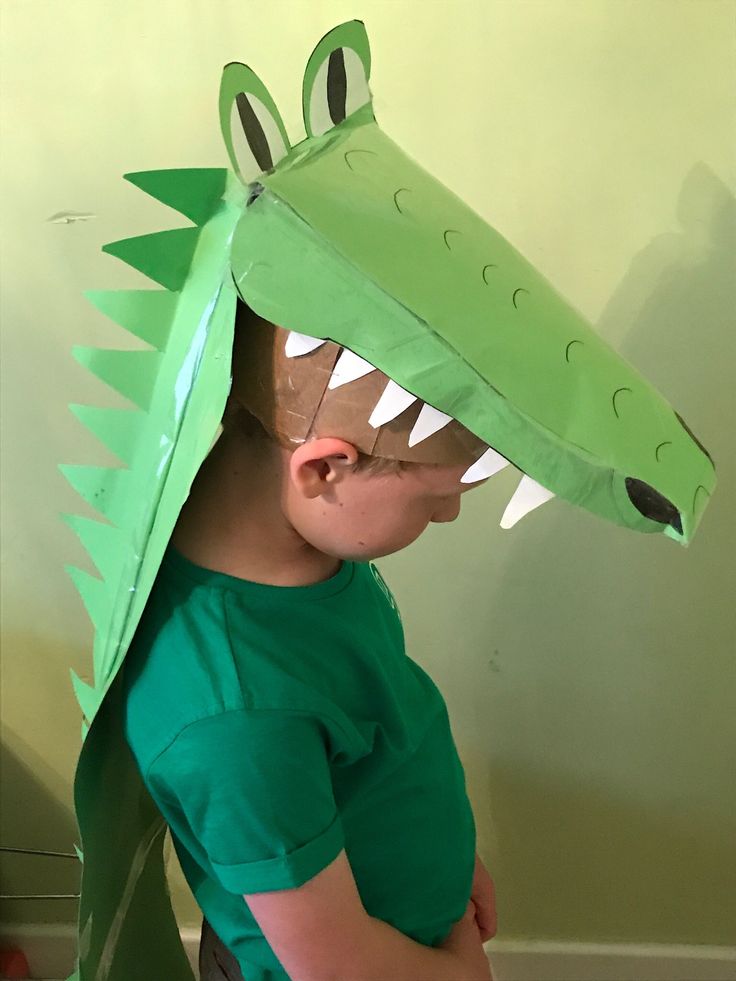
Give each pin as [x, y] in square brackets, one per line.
[652, 504]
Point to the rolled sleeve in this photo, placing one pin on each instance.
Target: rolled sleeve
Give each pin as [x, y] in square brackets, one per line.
[286, 871]
[249, 795]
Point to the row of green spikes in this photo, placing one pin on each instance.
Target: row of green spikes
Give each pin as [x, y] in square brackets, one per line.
[166, 258]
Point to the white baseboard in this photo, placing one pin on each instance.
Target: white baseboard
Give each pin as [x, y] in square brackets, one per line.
[546, 961]
[50, 949]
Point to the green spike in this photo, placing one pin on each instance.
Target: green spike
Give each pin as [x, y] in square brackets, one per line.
[105, 488]
[99, 650]
[98, 603]
[132, 373]
[80, 854]
[148, 314]
[87, 696]
[104, 543]
[119, 429]
[85, 730]
[195, 192]
[165, 257]
[94, 595]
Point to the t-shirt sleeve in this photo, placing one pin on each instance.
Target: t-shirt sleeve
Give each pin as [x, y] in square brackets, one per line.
[249, 793]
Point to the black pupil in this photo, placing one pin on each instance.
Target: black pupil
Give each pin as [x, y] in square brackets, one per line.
[254, 132]
[337, 86]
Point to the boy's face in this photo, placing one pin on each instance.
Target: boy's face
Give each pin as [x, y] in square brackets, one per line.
[364, 515]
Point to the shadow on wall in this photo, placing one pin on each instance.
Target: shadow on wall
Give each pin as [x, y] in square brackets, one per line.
[32, 816]
[597, 867]
[622, 804]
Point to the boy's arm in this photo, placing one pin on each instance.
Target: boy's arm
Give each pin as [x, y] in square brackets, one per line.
[321, 931]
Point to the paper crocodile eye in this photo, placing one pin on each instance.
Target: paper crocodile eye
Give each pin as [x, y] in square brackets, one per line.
[336, 80]
[252, 127]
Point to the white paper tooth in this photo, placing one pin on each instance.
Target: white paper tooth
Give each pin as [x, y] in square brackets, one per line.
[298, 344]
[392, 403]
[429, 421]
[349, 367]
[527, 496]
[491, 462]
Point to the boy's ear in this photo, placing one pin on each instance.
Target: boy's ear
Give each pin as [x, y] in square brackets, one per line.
[319, 464]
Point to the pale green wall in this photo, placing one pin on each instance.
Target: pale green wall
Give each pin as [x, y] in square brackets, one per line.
[589, 671]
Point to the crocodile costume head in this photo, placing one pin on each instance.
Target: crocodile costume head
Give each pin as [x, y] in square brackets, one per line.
[345, 237]
[341, 237]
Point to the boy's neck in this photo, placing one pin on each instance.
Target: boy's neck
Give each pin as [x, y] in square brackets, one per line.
[233, 522]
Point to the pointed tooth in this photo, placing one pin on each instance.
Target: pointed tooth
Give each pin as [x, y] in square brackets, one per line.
[391, 404]
[527, 496]
[429, 421]
[486, 466]
[299, 344]
[349, 368]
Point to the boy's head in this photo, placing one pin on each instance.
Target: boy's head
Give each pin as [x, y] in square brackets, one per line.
[341, 500]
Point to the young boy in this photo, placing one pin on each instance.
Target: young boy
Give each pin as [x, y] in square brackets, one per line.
[302, 760]
[304, 763]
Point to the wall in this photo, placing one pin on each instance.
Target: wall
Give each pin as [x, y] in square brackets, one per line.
[589, 671]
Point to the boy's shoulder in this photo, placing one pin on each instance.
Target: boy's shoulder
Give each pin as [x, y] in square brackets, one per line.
[209, 644]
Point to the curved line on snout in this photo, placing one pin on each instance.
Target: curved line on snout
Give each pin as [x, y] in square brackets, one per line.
[567, 349]
[447, 232]
[613, 399]
[396, 203]
[356, 149]
[695, 495]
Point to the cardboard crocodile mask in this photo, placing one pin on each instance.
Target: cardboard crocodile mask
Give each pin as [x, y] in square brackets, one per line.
[341, 237]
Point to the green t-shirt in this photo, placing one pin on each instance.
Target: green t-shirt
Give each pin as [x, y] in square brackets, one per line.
[274, 726]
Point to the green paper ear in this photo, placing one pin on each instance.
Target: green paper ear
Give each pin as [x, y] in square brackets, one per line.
[254, 133]
[336, 78]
